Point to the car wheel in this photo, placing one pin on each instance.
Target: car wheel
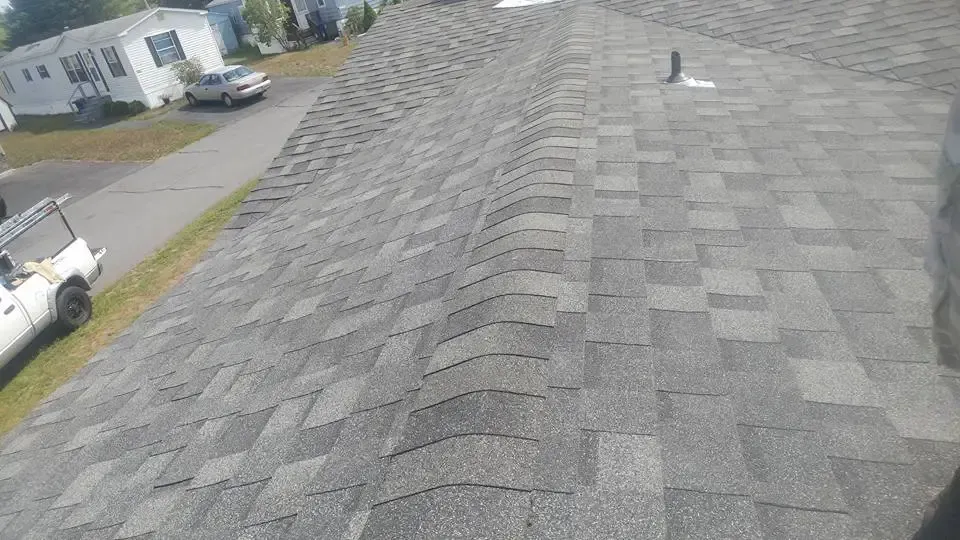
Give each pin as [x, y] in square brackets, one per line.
[73, 307]
[3, 209]
[192, 100]
[227, 100]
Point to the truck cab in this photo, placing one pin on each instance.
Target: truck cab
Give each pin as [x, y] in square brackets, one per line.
[37, 293]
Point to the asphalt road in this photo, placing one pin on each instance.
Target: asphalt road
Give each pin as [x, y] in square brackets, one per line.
[133, 209]
[21, 188]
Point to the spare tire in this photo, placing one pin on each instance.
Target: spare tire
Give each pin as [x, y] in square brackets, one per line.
[73, 307]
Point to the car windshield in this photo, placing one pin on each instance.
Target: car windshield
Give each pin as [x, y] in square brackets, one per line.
[237, 73]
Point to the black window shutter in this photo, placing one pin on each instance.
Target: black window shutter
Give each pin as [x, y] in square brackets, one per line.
[153, 51]
[103, 52]
[70, 75]
[176, 41]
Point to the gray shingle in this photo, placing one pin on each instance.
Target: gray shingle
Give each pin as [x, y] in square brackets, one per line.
[790, 468]
[699, 448]
[884, 500]
[797, 524]
[508, 464]
[618, 320]
[692, 514]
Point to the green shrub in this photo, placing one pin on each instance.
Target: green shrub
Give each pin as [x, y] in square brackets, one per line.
[116, 109]
[369, 16]
[119, 109]
[354, 24]
[137, 107]
[360, 19]
[188, 71]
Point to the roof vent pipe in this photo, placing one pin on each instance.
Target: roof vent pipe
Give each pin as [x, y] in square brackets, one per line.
[676, 71]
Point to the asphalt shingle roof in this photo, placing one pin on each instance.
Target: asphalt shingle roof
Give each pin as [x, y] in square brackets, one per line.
[915, 41]
[559, 299]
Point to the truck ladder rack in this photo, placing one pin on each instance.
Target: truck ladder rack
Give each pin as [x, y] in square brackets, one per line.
[16, 225]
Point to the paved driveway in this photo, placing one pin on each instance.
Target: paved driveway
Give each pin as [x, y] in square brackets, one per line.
[283, 90]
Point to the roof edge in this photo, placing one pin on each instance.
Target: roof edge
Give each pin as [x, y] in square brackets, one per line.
[154, 12]
[62, 35]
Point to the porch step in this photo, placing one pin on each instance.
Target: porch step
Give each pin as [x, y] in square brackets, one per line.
[92, 110]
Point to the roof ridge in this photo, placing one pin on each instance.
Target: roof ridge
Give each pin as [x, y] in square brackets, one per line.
[492, 354]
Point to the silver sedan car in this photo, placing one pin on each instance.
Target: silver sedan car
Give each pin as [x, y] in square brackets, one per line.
[228, 84]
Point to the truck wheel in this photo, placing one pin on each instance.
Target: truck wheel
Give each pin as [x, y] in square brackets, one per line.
[73, 307]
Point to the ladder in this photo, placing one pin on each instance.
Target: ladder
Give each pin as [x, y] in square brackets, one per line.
[15, 226]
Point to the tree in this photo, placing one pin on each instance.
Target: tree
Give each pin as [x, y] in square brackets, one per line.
[33, 20]
[369, 16]
[360, 19]
[268, 19]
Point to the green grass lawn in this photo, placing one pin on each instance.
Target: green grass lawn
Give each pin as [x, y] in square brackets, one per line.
[58, 137]
[319, 60]
[114, 310]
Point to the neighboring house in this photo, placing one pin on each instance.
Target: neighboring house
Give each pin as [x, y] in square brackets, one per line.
[325, 14]
[126, 59]
[223, 32]
[233, 9]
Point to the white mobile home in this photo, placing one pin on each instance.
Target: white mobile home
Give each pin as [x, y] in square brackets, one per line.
[127, 59]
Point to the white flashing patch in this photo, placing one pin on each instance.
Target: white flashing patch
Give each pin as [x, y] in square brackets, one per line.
[693, 83]
[522, 3]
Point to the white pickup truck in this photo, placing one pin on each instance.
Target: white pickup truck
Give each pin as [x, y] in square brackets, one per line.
[38, 293]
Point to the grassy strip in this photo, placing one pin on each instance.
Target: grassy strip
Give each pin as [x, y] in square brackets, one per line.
[137, 144]
[318, 60]
[114, 310]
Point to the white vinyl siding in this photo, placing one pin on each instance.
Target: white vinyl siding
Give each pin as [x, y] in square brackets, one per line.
[50, 89]
[196, 41]
[144, 81]
[7, 85]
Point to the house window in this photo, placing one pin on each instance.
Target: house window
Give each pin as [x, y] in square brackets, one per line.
[75, 71]
[42, 71]
[165, 48]
[7, 85]
[113, 61]
[26, 74]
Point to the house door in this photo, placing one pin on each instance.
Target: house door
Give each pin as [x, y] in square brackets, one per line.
[96, 78]
[301, 9]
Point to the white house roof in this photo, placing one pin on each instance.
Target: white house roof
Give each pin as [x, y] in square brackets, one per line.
[88, 34]
[38, 48]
